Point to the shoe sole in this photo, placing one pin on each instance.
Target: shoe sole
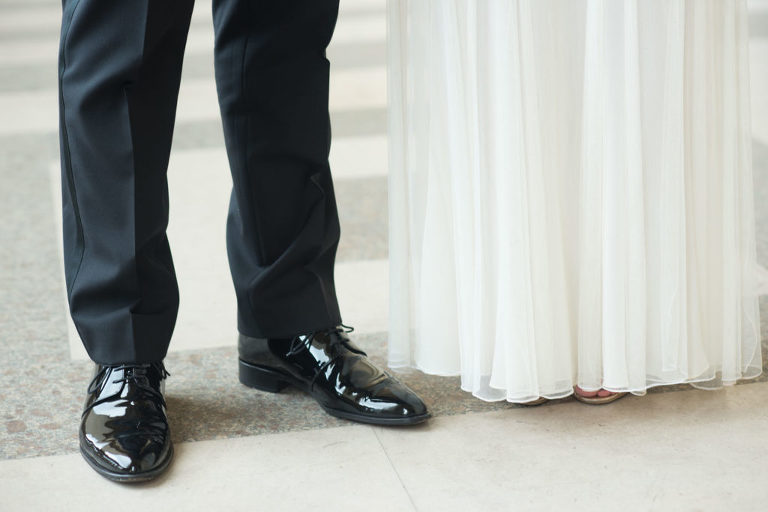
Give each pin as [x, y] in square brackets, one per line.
[127, 478]
[603, 400]
[273, 381]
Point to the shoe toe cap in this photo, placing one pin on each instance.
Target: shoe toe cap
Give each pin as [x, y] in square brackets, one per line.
[135, 455]
[398, 400]
[151, 457]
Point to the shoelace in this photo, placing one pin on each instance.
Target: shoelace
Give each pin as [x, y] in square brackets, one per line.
[135, 374]
[301, 342]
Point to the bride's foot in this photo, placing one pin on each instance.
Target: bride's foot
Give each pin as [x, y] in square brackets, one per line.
[599, 397]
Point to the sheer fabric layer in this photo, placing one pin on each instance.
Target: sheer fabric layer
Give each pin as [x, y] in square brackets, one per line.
[571, 194]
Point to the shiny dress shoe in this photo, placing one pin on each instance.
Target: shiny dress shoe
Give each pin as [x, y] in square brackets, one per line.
[328, 366]
[124, 431]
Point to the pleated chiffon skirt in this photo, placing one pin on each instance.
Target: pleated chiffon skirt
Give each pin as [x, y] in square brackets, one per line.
[571, 198]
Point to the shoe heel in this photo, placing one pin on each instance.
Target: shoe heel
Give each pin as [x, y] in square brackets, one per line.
[261, 378]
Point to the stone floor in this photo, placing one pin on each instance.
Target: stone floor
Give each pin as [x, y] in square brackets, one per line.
[239, 449]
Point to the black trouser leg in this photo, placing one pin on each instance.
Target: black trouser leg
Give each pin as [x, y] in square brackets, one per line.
[119, 71]
[283, 227]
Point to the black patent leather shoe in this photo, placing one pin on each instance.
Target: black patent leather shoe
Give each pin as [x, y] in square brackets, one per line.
[124, 431]
[336, 373]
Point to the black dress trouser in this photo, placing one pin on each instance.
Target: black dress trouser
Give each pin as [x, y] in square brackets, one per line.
[119, 72]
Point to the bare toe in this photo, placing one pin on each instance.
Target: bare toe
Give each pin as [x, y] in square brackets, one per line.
[585, 394]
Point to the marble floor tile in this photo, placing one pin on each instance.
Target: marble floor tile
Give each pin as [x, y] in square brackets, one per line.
[363, 293]
[673, 451]
[342, 469]
[15, 4]
[14, 78]
[24, 20]
[360, 28]
[30, 51]
[695, 450]
[201, 15]
[363, 213]
[359, 157]
[205, 399]
[367, 6]
[29, 112]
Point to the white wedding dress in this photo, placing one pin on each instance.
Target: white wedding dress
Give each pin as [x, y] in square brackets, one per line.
[571, 194]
